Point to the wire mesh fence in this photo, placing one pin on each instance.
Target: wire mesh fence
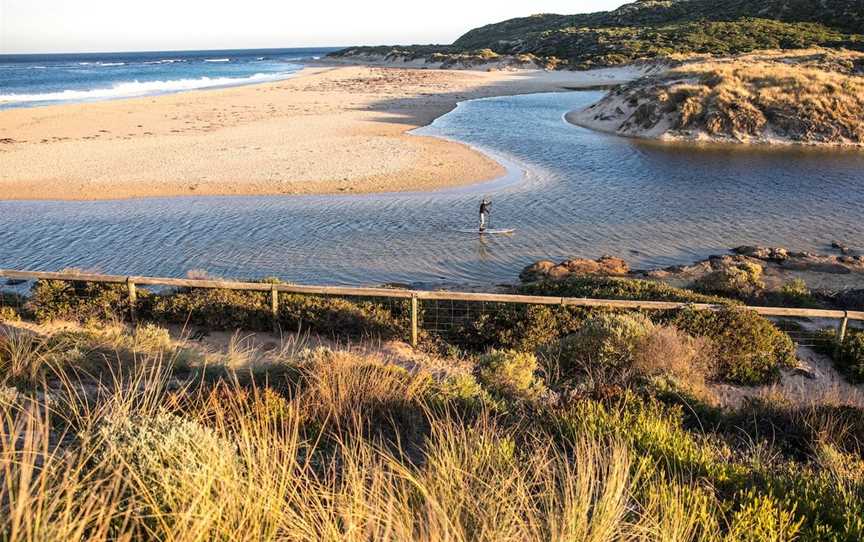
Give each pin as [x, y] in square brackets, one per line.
[459, 319]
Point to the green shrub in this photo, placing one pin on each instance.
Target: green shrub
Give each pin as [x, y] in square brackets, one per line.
[794, 293]
[168, 460]
[462, 390]
[618, 288]
[603, 348]
[80, 301]
[829, 496]
[743, 280]
[848, 357]
[655, 431]
[215, 309]
[333, 316]
[511, 374]
[232, 309]
[750, 350]
[763, 518]
[8, 314]
[517, 327]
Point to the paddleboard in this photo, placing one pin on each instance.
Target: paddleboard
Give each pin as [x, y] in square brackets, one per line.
[487, 232]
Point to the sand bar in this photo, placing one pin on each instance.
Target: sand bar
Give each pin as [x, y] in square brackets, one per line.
[328, 130]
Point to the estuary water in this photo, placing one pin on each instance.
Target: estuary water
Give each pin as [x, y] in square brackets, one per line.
[570, 192]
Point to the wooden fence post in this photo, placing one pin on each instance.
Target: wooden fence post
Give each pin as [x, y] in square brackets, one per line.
[841, 333]
[133, 302]
[415, 308]
[274, 307]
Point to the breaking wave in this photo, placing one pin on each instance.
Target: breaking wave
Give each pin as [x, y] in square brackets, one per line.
[131, 89]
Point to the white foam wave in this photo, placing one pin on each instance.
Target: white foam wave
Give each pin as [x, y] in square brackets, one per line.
[132, 89]
[104, 64]
[217, 60]
[165, 61]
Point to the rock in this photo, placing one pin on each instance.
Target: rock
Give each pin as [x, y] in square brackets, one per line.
[774, 254]
[536, 271]
[804, 369]
[844, 249]
[613, 266]
[605, 266]
[559, 272]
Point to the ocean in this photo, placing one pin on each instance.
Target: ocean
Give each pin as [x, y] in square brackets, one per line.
[35, 80]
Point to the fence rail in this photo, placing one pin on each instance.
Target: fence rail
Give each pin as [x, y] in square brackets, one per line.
[415, 296]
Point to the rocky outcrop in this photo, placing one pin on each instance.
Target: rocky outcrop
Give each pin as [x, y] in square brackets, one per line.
[807, 261]
[575, 267]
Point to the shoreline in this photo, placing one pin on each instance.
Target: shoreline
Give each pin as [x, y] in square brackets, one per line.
[329, 129]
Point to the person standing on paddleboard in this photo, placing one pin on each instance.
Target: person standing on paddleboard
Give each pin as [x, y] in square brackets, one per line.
[485, 209]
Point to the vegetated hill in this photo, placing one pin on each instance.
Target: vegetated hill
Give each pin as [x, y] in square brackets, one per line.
[657, 28]
[812, 97]
[651, 28]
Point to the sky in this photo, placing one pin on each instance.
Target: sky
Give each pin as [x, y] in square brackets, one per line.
[41, 26]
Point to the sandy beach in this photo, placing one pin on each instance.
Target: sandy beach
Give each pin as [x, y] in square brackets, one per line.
[337, 129]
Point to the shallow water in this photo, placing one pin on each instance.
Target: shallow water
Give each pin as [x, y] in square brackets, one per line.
[584, 194]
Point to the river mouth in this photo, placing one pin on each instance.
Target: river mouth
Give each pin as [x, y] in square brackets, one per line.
[571, 192]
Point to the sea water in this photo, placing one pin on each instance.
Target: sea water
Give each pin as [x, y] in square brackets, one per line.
[33, 80]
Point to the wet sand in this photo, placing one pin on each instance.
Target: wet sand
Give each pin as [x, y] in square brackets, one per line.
[328, 130]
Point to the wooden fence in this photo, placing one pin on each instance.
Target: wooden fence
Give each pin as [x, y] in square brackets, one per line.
[416, 297]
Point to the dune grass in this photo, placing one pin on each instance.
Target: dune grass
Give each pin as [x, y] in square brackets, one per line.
[337, 445]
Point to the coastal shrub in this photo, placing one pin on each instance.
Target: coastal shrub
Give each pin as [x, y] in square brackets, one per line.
[516, 327]
[794, 293]
[848, 357]
[80, 301]
[215, 309]
[657, 432]
[345, 445]
[508, 373]
[461, 390]
[9, 314]
[742, 280]
[749, 349]
[666, 351]
[173, 464]
[828, 496]
[616, 349]
[233, 309]
[602, 349]
[762, 517]
[618, 288]
[333, 316]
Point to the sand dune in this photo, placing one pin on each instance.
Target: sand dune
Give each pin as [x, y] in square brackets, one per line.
[328, 130]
